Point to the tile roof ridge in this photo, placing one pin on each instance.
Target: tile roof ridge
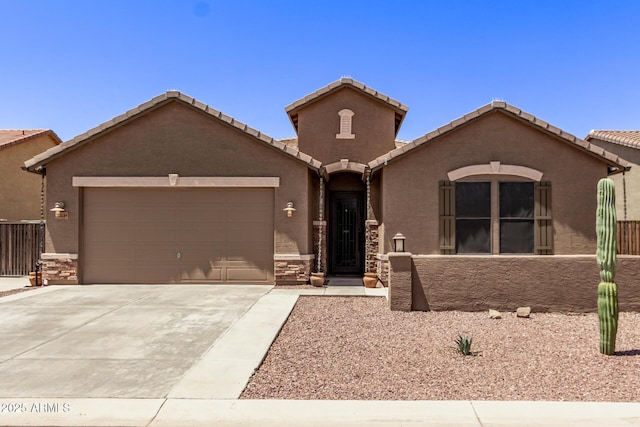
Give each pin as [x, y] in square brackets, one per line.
[342, 82]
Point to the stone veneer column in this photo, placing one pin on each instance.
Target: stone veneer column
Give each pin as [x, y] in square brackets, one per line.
[320, 252]
[400, 295]
[372, 242]
[59, 269]
[292, 268]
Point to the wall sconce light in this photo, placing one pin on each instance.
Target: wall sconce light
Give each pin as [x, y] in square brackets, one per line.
[58, 209]
[398, 242]
[289, 209]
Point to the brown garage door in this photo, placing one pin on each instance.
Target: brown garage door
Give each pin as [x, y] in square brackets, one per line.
[138, 235]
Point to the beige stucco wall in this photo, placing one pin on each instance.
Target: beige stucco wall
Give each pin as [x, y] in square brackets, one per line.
[20, 190]
[410, 184]
[373, 125]
[630, 188]
[177, 139]
[544, 283]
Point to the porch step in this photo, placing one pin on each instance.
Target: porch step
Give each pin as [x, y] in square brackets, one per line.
[344, 281]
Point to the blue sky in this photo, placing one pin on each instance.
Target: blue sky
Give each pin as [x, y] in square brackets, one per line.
[69, 65]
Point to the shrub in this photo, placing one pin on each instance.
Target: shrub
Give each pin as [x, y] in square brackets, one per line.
[463, 345]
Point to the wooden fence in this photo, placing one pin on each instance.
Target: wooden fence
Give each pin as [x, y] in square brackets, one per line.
[20, 247]
[629, 237]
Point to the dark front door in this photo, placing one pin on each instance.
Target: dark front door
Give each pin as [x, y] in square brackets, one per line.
[346, 237]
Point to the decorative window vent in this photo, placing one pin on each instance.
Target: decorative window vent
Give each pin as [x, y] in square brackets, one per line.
[346, 116]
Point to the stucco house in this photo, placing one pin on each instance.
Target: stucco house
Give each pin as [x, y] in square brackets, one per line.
[20, 191]
[626, 144]
[175, 191]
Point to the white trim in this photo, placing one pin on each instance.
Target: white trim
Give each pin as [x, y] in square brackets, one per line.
[173, 180]
[345, 165]
[293, 257]
[53, 255]
[495, 168]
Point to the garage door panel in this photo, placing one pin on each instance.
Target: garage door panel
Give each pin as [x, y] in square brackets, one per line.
[113, 233]
[156, 254]
[153, 273]
[202, 274]
[209, 233]
[204, 214]
[135, 235]
[105, 253]
[246, 274]
[257, 253]
[152, 233]
[248, 233]
[157, 215]
[120, 271]
[107, 215]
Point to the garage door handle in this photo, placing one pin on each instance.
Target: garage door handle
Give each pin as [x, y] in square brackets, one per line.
[178, 255]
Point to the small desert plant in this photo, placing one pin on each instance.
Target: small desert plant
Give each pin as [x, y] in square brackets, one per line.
[463, 345]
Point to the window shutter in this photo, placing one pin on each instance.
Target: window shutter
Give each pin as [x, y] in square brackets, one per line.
[543, 221]
[447, 218]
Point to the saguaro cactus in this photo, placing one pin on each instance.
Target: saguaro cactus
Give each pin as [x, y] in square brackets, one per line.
[606, 255]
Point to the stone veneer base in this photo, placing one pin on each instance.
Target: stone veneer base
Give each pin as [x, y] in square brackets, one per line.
[59, 269]
[292, 269]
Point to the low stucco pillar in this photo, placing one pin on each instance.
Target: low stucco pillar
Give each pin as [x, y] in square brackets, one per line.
[400, 281]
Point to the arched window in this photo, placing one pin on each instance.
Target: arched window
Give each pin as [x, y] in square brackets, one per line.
[346, 119]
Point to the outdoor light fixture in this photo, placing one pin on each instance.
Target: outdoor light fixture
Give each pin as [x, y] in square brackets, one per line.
[398, 242]
[58, 209]
[289, 209]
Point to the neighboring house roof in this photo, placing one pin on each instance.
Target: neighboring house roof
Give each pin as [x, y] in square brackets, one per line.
[292, 109]
[10, 137]
[627, 138]
[616, 163]
[36, 163]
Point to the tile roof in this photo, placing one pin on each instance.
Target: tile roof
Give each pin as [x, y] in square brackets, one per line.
[293, 108]
[609, 158]
[9, 137]
[628, 138]
[42, 159]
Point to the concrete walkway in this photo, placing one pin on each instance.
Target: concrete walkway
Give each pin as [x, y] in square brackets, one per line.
[206, 394]
[9, 283]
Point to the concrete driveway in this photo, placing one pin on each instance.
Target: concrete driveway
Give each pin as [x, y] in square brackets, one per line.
[124, 341]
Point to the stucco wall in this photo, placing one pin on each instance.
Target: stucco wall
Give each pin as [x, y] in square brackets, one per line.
[545, 283]
[373, 125]
[630, 188]
[410, 184]
[20, 190]
[178, 139]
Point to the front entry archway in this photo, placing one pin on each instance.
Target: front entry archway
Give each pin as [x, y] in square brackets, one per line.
[346, 232]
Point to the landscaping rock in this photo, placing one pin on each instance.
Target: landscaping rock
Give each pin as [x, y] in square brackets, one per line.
[494, 314]
[523, 312]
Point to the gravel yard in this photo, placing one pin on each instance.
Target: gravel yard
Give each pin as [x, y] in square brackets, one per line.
[355, 348]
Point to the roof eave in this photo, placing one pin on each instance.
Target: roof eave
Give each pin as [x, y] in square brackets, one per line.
[49, 155]
[601, 154]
